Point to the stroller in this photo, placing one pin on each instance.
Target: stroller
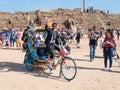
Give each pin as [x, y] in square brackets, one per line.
[116, 54]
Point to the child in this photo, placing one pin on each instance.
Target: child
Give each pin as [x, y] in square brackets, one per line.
[7, 43]
[37, 42]
[18, 43]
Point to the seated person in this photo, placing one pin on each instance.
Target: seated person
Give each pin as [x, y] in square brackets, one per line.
[37, 42]
[41, 52]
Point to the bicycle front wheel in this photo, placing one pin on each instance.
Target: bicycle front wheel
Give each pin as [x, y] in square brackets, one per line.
[68, 68]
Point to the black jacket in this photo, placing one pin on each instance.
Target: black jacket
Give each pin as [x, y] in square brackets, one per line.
[51, 33]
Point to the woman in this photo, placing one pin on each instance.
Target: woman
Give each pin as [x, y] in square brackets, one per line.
[108, 46]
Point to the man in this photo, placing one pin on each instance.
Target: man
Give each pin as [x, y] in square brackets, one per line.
[50, 44]
[78, 36]
[93, 38]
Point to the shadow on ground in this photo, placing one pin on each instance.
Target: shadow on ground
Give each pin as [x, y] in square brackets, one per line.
[89, 68]
[17, 67]
[95, 56]
[86, 60]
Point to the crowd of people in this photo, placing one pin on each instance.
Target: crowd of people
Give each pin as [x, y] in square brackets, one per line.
[107, 42]
[13, 38]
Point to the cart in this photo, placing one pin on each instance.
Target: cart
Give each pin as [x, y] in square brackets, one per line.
[39, 57]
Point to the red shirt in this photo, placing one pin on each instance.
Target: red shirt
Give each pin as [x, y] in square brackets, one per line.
[111, 40]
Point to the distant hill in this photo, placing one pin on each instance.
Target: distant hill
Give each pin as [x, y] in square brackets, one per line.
[84, 20]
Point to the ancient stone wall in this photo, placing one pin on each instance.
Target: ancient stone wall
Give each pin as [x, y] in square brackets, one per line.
[84, 20]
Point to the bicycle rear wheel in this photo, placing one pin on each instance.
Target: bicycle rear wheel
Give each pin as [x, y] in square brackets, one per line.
[68, 68]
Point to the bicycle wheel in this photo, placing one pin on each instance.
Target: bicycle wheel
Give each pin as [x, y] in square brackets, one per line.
[68, 68]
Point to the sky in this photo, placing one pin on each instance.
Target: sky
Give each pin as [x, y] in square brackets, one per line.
[30, 5]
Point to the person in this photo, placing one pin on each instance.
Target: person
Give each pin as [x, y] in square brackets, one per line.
[50, 42]
[118, 34]
[49, 23]
[37, 42]
[8, 33]
[82, 33]
[0, 38]
[108, 46]
[18, 43]
[78, 35]
[12, 37]
[93, 39]
[19, 37]
[7, 43]
[101, 42]
[4, 35]
[101, 32]
[20, 34]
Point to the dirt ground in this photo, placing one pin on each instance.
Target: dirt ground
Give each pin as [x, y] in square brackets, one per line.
[90, 75]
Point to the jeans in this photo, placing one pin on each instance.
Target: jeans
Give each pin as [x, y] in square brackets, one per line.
[92, 51]
[50, 49]
[108, 52]
[12, 43]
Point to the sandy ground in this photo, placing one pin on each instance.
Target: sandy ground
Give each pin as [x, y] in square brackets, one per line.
[90, 75]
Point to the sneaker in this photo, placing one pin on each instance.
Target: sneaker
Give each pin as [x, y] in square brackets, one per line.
[105, 69]
[91, 60]
[110, 69]
[51, 71]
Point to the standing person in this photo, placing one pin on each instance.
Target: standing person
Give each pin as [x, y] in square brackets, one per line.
[82, 33]
[21, 34]
[93, 39]
[78, 35]
[12, 37]
[0, 40]
[101, 42]
[0, 37]
[101, 32]
[15, 35]
[18, 43]
[7, 42]
[4, 35]
[118, 34]
[8, 33]
[108, 46]
[50, 42]
[19, 37]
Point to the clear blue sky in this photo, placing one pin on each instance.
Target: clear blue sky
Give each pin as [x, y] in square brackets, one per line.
[29, 5]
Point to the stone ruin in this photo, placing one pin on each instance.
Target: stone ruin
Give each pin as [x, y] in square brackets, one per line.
[82, 19]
